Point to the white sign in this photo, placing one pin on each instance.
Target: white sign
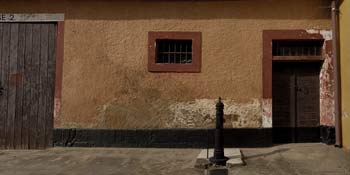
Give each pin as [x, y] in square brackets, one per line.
[39, 17]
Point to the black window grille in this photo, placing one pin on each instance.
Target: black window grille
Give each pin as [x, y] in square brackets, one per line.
[174, 51]
[297, 48]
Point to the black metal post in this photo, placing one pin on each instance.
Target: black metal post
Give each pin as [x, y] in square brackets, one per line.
[219, 156]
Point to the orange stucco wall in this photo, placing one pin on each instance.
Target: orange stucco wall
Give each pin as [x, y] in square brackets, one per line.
[105, 79]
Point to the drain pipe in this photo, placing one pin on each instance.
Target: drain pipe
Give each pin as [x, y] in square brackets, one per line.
[337, 80]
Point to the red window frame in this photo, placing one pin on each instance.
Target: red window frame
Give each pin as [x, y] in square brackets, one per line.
[194, 67]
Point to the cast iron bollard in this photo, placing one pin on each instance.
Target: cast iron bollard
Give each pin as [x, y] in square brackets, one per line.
[219, 156]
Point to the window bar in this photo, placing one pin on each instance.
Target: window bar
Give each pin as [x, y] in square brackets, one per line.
[319, 51]
[180, 53]
[302, 51]
[169, 53]
[186, 53]
[294, 51]
[297, 49]
[175, 52]
[289, 51]
[162, 51]
[315, 50]
[281, 50]
[190, 60]
[305, 51]
[312, 51]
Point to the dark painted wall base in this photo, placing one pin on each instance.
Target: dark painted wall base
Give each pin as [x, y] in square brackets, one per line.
[327, 134]
[296, 135]
[181, 138]
[160, 138]
[324, 134]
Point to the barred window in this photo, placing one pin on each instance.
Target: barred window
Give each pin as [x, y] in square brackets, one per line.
[297, 48]
[174, 51]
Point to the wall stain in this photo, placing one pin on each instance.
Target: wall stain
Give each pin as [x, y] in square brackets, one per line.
[201, 113]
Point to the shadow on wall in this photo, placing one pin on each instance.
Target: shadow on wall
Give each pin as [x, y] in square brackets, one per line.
[180, 9]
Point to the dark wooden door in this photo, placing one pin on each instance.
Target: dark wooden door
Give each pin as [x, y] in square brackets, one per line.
[27, 77]
[295, 102]
[283, 103]
[307, 87]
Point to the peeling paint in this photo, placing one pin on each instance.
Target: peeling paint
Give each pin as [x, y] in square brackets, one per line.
[327, 110]
[201, 112]
[326, 34]
[327, 115]
[267, 113]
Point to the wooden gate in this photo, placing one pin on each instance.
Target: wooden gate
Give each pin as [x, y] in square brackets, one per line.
[296, 102]
[27, 81]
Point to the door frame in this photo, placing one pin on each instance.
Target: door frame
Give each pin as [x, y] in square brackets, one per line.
[57, 18]
[268, 37]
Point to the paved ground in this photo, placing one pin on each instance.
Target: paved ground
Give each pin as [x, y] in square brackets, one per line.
[303, 159]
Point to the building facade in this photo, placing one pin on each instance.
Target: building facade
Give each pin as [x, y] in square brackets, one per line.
[148, 73]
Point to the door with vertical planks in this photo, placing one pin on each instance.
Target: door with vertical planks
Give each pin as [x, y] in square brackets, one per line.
[307, 87]
[283, 103]
[296, 102]
[27, 81]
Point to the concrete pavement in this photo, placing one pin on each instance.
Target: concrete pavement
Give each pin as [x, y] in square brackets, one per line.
[291, 159]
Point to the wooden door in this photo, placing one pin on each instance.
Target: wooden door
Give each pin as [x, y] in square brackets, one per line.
[27, 77]
[307, 85]
[283, 103]
[296, 102]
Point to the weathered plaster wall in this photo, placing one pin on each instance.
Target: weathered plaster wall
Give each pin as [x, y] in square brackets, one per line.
[327, 110]
[345, 72]
[105, 80]
[327, 117]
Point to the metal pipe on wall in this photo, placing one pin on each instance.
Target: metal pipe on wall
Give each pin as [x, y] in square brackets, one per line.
[337, 80]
